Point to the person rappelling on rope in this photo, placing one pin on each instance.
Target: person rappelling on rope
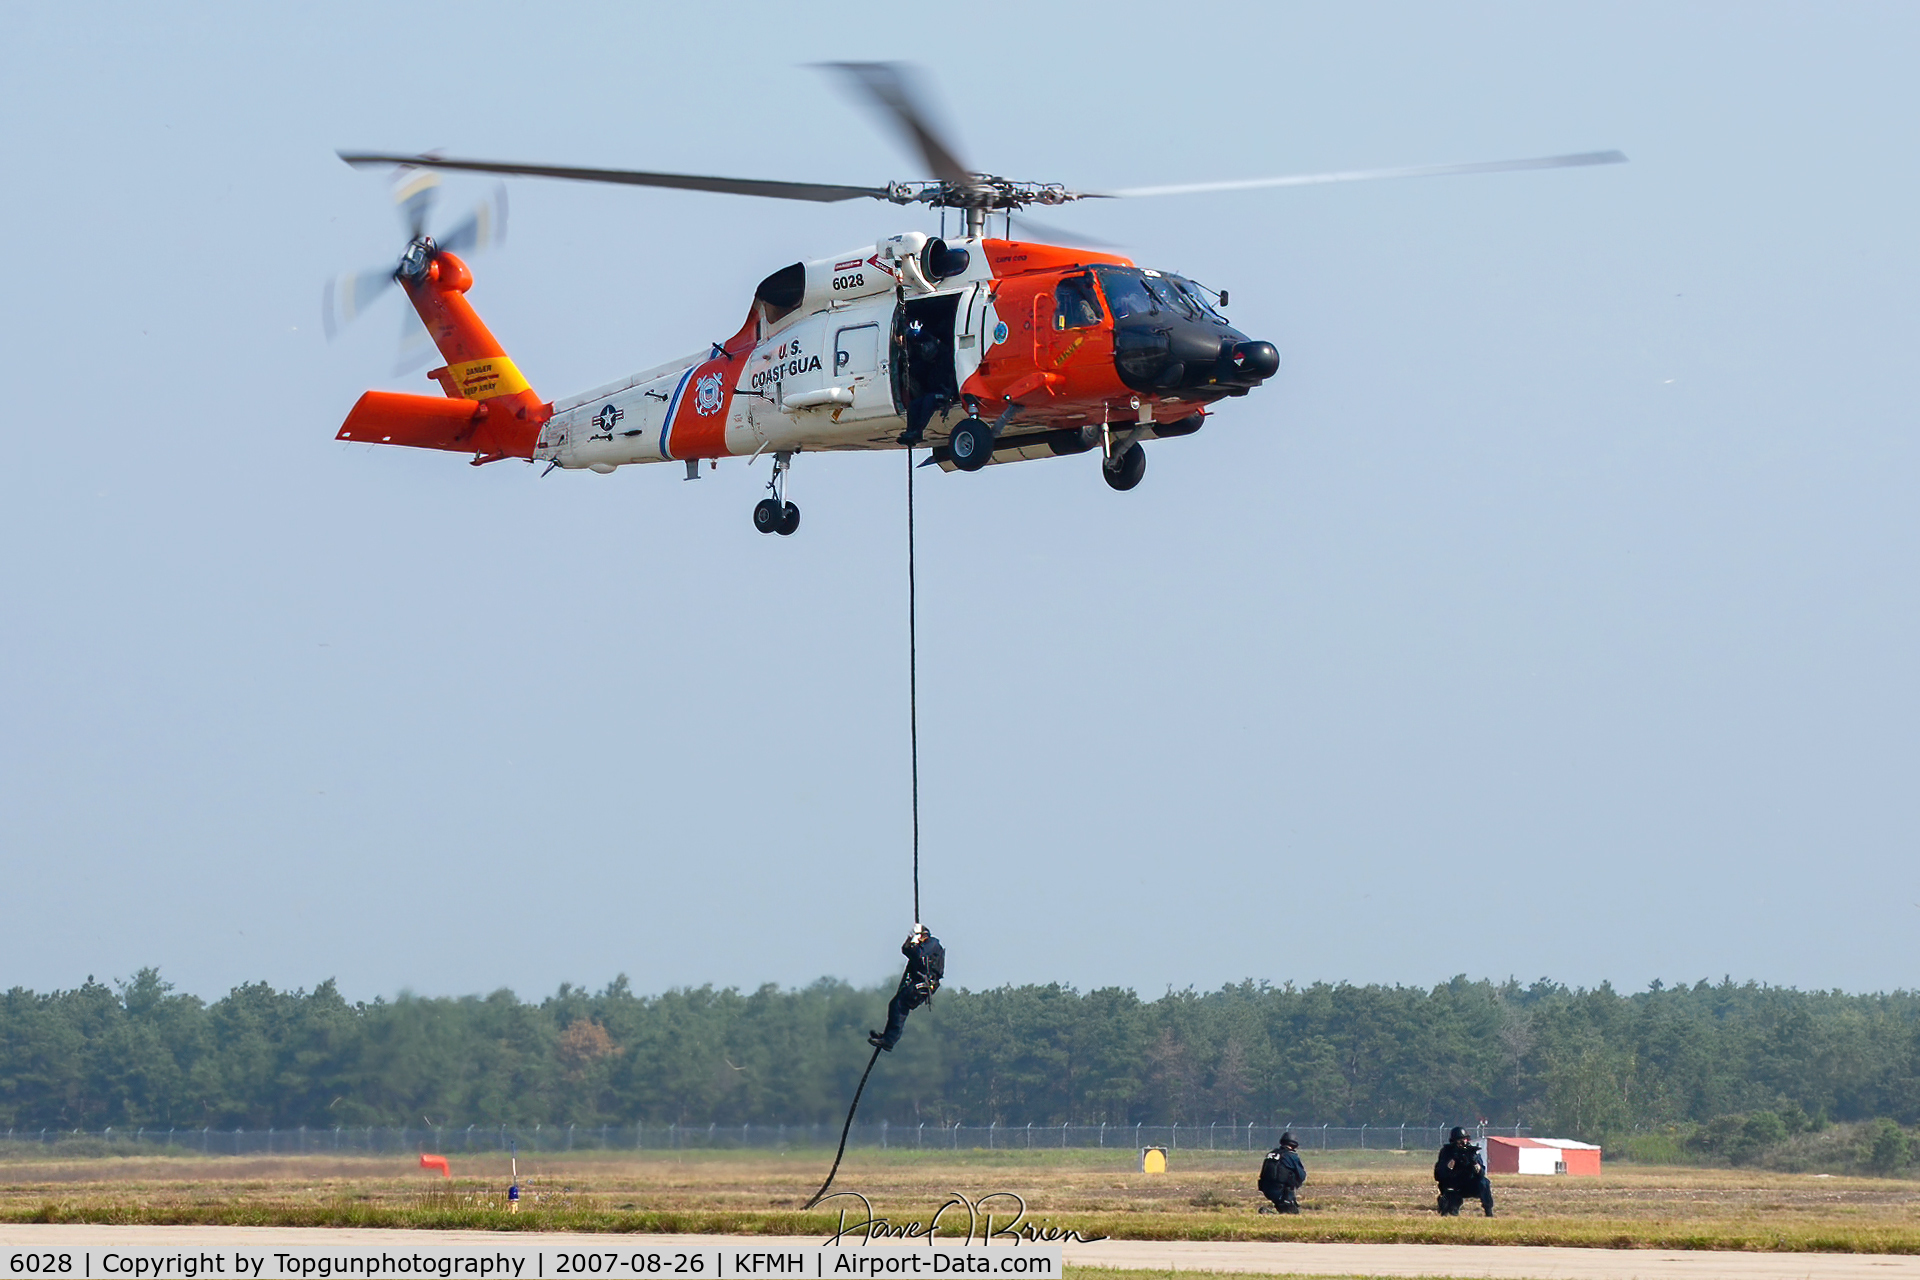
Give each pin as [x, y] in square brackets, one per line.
[926, 965]
[926, 958]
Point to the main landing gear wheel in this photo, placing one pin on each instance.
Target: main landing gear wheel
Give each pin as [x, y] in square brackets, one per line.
[775, 514]
[971, 444]
[1124, 472]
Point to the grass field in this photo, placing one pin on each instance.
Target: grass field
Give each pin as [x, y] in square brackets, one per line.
[1378, 1197]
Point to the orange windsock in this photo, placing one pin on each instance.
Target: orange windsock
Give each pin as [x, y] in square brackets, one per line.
[435, 1162]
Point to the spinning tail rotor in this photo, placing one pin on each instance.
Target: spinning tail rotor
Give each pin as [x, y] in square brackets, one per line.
[415, 191]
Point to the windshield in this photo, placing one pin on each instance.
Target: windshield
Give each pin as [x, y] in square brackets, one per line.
[1132, 292]
[1195, 294]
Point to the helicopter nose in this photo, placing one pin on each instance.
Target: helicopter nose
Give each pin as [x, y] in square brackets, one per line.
[1255, 361]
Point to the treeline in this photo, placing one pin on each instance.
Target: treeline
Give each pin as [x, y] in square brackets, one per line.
[1587, 1063]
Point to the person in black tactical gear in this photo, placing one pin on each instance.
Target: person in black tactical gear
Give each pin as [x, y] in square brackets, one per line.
[926, 965]
[1281, 1174]
[930, 378]
[1462, 1175]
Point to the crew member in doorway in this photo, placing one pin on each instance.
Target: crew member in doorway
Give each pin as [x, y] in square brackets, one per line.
[926, 965]
[1281, 1174]
[930, 379]
[1462, 1175]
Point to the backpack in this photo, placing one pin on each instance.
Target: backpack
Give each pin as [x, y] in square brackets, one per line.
[1277, 1170]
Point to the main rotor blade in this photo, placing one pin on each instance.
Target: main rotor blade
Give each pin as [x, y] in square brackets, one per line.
[894, 89]
[816, 191]
[1368, 175]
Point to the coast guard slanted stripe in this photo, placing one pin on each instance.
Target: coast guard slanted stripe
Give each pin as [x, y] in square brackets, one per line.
[673, 408]
[698, 427]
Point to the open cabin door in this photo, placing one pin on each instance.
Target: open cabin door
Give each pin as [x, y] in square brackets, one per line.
[926, 379]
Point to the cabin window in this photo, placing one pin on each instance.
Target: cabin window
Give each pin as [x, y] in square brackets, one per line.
[856, 351]
[1075, 305]
[780, 293]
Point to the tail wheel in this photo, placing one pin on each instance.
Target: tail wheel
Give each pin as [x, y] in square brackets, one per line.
[971, 445]
[1126, 471]
[767, 515]
[789, 520]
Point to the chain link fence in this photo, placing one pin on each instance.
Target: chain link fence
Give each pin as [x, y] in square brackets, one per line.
[454, 1140]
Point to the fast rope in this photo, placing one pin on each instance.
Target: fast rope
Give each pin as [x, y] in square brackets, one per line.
[843, 1130]
[913, 687]
[913, 736]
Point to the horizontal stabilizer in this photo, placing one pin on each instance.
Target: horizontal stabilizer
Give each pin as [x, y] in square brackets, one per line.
[434, 422]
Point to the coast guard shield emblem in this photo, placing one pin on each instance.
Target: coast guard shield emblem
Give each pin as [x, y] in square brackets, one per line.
[706, 395]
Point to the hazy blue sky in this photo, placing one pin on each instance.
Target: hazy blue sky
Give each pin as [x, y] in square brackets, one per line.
[1552, 613]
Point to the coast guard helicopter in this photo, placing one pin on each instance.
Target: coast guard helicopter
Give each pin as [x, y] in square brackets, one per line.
[983, 349]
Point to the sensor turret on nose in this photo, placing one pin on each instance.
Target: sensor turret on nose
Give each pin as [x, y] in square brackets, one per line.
[1254, 361]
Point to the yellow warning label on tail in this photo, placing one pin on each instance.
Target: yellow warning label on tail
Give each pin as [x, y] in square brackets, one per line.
[486, 378]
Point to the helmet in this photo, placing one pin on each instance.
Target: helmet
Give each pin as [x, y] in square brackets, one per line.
[1457, 1134]
[1288, 1140]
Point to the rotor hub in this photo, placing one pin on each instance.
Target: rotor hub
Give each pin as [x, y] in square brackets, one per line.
[415, 261]
[980, 191]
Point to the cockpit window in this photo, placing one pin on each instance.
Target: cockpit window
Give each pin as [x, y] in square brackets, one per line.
[1196, 295]
[1075, 305]
[1126, 293]
[1132, 292]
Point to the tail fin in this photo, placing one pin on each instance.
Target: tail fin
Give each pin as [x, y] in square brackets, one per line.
[489, 409]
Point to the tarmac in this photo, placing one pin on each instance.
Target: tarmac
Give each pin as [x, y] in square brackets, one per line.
[1496, 1262]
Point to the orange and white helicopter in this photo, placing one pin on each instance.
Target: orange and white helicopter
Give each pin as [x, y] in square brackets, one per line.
[982, 349]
